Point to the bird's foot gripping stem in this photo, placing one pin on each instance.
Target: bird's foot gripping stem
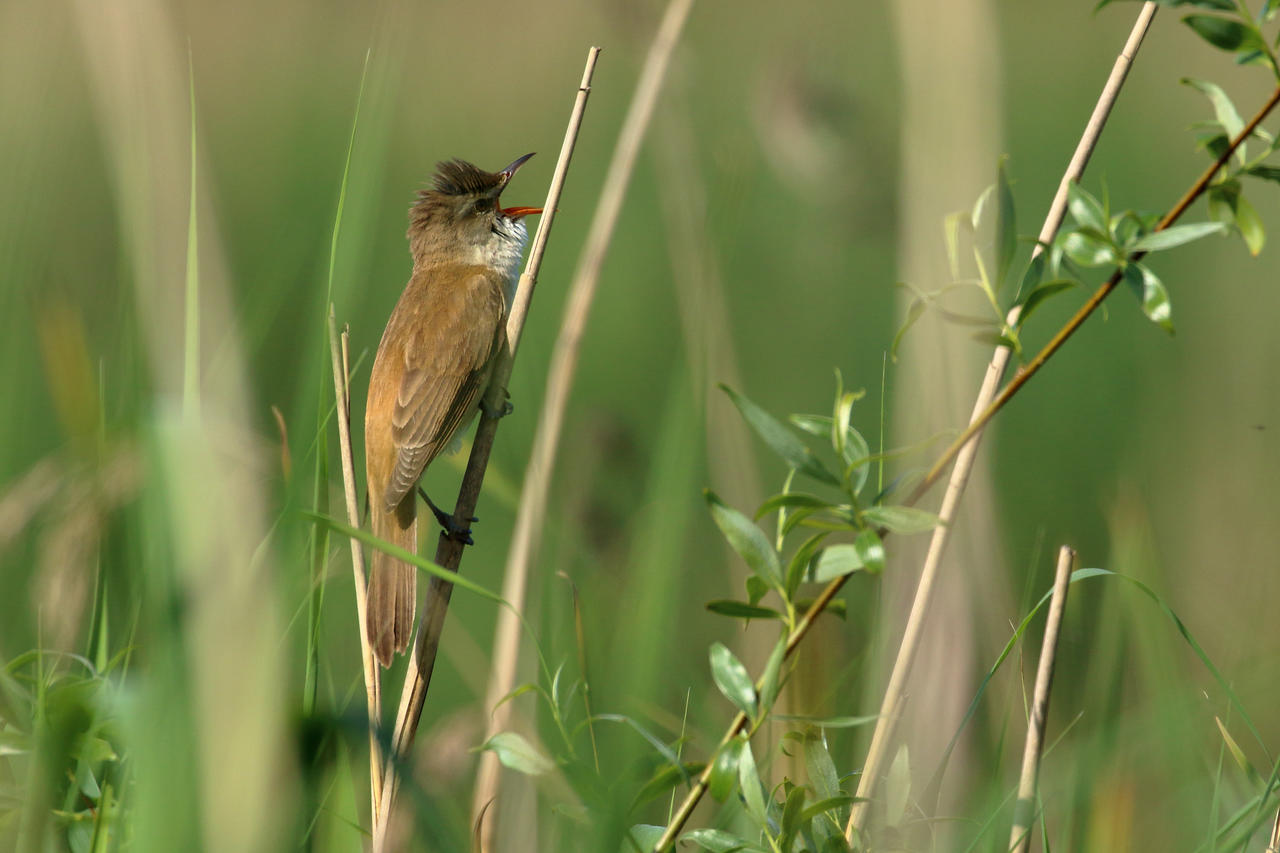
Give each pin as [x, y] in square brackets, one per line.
[505, 409]
[453, 528]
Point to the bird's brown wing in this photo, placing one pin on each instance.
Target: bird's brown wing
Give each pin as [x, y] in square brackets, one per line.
[446, 367]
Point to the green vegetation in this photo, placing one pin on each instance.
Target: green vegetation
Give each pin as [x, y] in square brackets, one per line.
[721, 588]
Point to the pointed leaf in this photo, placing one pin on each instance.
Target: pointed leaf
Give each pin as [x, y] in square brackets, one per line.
[1041, 294]
[1087, 250]
[1151, 295]
[715, 840]
[1250, 225]
[836, 561]
[742, 610]
[769, 680]
[898, 788]
[819, 766]
[901, 519]
[518, 754]
[1223, 109]
[792, 820]
[724, 770]
[799, 562]
[779, 439]
[1269, 173]
[747, 539]
[1222, 33]
[914, 312]
[667, 777]
[1177, 235]
[752, 788]
[1006, 225]
[733, 679]
[1085, 208]
[644, 836]
[870, 550]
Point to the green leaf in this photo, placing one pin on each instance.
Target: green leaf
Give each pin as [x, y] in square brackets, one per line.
[995, 339]
[1177, 235]
[835, 561]
[898, 788]
[799, 562]
[752, 788]
[667, 777]
[791, 500]
[1222, 202]
[1087, 250]
[819, 766]
[792, 820]
[769, 680]
[1041, 294]
[856, 455]
[1250, 225]
[901, 519]
[715, 840]
[1269, 173]
[1151, 295]
[756, 589]
[871, 550]
[746, 539]
[1223, 109]
[914, 312]
[742, 610]
[779, 439]
[1085, 208]
[1237, 754]
[824, 806]
[518, 754]
[643, 837]
[724, 770]
[1222, 33]
[1031, 278]
[1006, 225]
[733, 679]
[838, 607]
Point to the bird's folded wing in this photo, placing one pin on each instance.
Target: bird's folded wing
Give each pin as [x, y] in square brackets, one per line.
[444, 371]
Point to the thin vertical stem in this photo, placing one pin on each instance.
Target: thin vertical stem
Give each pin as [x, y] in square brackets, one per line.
[1025, 808]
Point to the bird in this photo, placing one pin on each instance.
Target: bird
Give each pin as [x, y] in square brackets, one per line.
[432, 367]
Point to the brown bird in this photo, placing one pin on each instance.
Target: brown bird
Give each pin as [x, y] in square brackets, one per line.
[433, 366]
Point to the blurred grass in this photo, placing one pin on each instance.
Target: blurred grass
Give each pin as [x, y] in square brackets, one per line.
[1150, 455]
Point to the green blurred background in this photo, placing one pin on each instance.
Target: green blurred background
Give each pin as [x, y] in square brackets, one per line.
[801, 161]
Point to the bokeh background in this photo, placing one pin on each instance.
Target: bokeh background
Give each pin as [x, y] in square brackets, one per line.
[801, 161]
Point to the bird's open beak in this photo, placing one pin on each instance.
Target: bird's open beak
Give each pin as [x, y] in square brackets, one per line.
[507, 173]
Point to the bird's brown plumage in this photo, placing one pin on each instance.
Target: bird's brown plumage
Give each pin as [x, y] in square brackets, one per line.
[420, 393]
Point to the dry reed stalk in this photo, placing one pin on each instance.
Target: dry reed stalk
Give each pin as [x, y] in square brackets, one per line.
[531, 511]
[372, 686]
[449, 551]
[1024, 809]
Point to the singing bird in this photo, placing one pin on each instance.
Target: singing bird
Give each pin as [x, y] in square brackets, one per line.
[433, 365]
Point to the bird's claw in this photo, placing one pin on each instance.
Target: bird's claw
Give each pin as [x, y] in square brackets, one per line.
[454, 529]
[502, 412]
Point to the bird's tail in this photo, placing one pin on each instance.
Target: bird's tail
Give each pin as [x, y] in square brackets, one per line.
[392, 595]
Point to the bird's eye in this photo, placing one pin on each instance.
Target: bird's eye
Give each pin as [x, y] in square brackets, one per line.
[483, 205]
